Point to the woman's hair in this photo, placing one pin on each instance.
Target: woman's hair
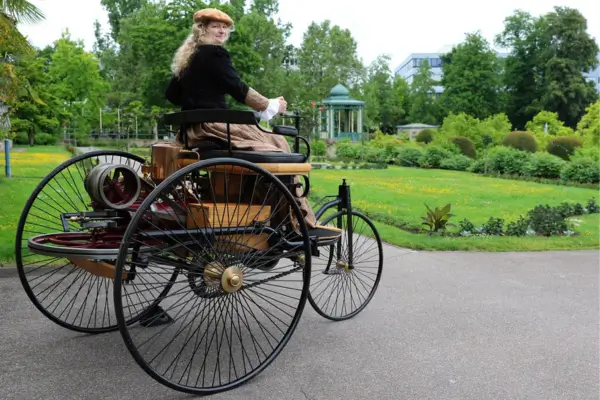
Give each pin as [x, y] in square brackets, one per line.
[184, 53]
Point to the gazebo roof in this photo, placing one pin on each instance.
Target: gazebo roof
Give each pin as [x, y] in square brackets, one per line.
[339, 95]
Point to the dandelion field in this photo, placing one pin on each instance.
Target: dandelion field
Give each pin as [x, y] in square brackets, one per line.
[29, 167]
[395, 198]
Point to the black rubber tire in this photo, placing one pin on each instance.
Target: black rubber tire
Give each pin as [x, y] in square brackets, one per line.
[22, 269]
[130, 332]
[344, 290]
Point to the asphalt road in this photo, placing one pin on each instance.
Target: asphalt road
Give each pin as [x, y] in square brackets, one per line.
[441, 326]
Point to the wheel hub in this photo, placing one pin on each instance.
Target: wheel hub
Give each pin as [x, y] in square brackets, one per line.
[218, 276]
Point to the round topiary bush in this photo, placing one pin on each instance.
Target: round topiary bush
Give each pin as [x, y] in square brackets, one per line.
[563, 146]
[520, 140]
[425, 136]
[465, 145]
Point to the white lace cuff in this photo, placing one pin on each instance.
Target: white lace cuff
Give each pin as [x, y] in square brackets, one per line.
[271, 110]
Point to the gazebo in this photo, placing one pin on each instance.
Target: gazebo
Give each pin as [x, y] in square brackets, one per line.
[341, 116]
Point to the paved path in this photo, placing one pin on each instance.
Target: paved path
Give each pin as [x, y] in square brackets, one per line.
[442, 326]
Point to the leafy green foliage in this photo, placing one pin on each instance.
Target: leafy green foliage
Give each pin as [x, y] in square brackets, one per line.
[544, 69]
[547, 221]
[407, 156]
[542, 165]
[437, 220]
[493, 226]
[424, 107]
[471, 78]
[563, 146]
[521, 141]
[456, 162]
[425, 136]
[589, 125]
[465, 145]
[592, 207]
[581, 169]
[507, 161]
[433, 155]
[518, 227]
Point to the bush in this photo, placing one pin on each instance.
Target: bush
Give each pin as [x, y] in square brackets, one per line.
[582, 170]
[457, 162]
[547, 221]
[521, 141]
[507, 161]
[465, 145]
[45, 139]
[478, 167]
[407, 156]
[375, 154]
[318, 148]
[543, 166]
[345, 149]
[433, 156]
[563, 146]
[425, 136]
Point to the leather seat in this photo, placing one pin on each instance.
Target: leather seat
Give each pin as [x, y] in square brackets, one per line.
[217, 149]
[256, 157]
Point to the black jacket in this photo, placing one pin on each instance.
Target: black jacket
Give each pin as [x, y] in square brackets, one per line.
[207, 79]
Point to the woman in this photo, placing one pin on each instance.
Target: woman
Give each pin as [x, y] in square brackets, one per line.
[203, 74]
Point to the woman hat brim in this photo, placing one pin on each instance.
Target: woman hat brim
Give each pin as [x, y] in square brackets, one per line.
[212, 14]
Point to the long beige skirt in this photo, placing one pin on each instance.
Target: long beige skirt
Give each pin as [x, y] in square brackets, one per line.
[248, 137]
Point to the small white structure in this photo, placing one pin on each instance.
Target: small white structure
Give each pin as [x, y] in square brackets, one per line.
[414, 129]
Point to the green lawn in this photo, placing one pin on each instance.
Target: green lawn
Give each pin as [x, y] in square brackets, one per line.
[399, 194]
[29, 166]
[396, 194]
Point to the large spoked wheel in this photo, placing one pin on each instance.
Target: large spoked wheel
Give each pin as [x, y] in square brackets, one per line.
[237, 239]
[65, 293]
[342, 287]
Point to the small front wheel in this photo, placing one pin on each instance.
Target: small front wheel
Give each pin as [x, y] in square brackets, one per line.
[341, 286]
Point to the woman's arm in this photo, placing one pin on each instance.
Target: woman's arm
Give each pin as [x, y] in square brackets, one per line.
[228, 77]
[173, 92]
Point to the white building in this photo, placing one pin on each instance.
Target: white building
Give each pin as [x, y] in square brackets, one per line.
[410, 66]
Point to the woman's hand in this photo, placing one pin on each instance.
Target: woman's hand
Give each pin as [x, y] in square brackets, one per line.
[282, 105]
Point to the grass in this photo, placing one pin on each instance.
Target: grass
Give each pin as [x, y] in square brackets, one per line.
[398, 196]
[29, 167]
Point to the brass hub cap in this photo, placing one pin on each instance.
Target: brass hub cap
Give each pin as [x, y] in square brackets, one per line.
[232, 279]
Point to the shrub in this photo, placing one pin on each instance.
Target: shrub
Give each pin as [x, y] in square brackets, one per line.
[563, 146]
[518, 227]
[45, 139]
[465, 145]
[507, 161]
[547, 221]
[592, 207]
[582, 170]
[425, 136]
[521, 141]
[493, 227]
[433, 156]
[478, 167]
[374, 154]
[456, 162]
[543, 166]
[407, 156]
[347, 150]
[317, 148]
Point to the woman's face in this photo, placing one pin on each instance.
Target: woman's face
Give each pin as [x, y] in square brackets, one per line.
[218, 32]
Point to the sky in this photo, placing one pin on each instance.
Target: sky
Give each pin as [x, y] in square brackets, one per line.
[378, 26]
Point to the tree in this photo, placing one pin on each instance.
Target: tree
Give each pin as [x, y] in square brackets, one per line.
[21, 11]
[471, 79]
[118, 10]
[75, 80]
[384, 103]
[589, 126]
[423, 103]
[544, 70]
[328, 56]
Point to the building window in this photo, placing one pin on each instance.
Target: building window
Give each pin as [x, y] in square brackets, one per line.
[435, 62]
